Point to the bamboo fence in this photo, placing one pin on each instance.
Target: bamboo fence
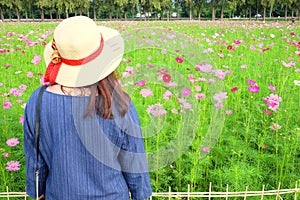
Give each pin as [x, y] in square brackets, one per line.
[277, 194]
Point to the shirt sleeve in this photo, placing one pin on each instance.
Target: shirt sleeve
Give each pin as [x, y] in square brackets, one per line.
[132, 158]
[30, 152]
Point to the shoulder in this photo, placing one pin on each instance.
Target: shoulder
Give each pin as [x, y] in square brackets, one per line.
[33, 97]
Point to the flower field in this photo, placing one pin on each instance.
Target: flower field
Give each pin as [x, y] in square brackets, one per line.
[218, 101]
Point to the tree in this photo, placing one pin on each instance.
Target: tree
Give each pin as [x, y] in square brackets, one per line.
[199, 5]
[42, 4]
[191, 5]
[17, 4]
[133, 4]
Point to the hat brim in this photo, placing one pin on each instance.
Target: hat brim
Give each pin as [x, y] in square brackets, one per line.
[95, 70]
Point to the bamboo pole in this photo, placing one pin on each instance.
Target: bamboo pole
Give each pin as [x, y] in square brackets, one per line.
[262, 193]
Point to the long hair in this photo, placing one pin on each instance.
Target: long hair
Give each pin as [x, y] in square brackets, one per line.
[106, 94]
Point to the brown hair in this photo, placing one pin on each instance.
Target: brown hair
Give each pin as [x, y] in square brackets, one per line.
[104, 95]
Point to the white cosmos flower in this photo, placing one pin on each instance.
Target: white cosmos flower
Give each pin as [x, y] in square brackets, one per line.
[297, 82]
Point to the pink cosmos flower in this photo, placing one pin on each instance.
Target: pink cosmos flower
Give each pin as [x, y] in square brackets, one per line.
[228, 112]
[164, 51]
[166, 78]
[36, 60]
[29, 74]
[253, 88]
[237, 42]
[141, 83]
[205, 149]
[167, 95]
[22, 87]
[186, 92]
[13, 166]
[272, 88]
[156, 110]
[149, 57]
[1, 84]
[22, 120]
[252, 47]
[5, 155]
[179, 60]
[126, 60]
[267, 112]
[200, 96]
[7, 104]
[275, 127]
[198, 88]
[12, 142]
[174, 111]
[290, 64]
[234, 89]
[219, 105]
[146, 92]
[129, 69]
[250, 81]
[220, 96]
[171, 84]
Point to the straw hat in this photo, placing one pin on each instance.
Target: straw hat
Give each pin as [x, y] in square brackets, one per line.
[82, 53]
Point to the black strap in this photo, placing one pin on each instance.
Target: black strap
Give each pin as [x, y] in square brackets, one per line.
[37, 124]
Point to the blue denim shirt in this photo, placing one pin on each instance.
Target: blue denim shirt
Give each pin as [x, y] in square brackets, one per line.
[92, 158]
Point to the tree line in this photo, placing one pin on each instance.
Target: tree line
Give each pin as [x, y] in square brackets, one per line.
[148, 9]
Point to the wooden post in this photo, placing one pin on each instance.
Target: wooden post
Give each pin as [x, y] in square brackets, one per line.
[277, 196]
[169, 192]
[246, 193]
[7, 192]
[209, 194]
[262, 192]
[295, 198]
[188, 192]
[227, 192]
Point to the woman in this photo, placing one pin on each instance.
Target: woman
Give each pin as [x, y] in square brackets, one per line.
[90, 144]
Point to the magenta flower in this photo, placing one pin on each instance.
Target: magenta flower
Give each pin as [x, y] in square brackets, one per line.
[36, 60]
[253, 88]
[141, 83]
[234, 89]
[146, 92]
[251, 82]
[156, 110]
[179, 60]
[272, 88]
[126, 60]
[7, 104]
[21, 120]
[267, 112]
[166, 78]
[275, 127]
[186, 92]
[13, 166]
[12, 142]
